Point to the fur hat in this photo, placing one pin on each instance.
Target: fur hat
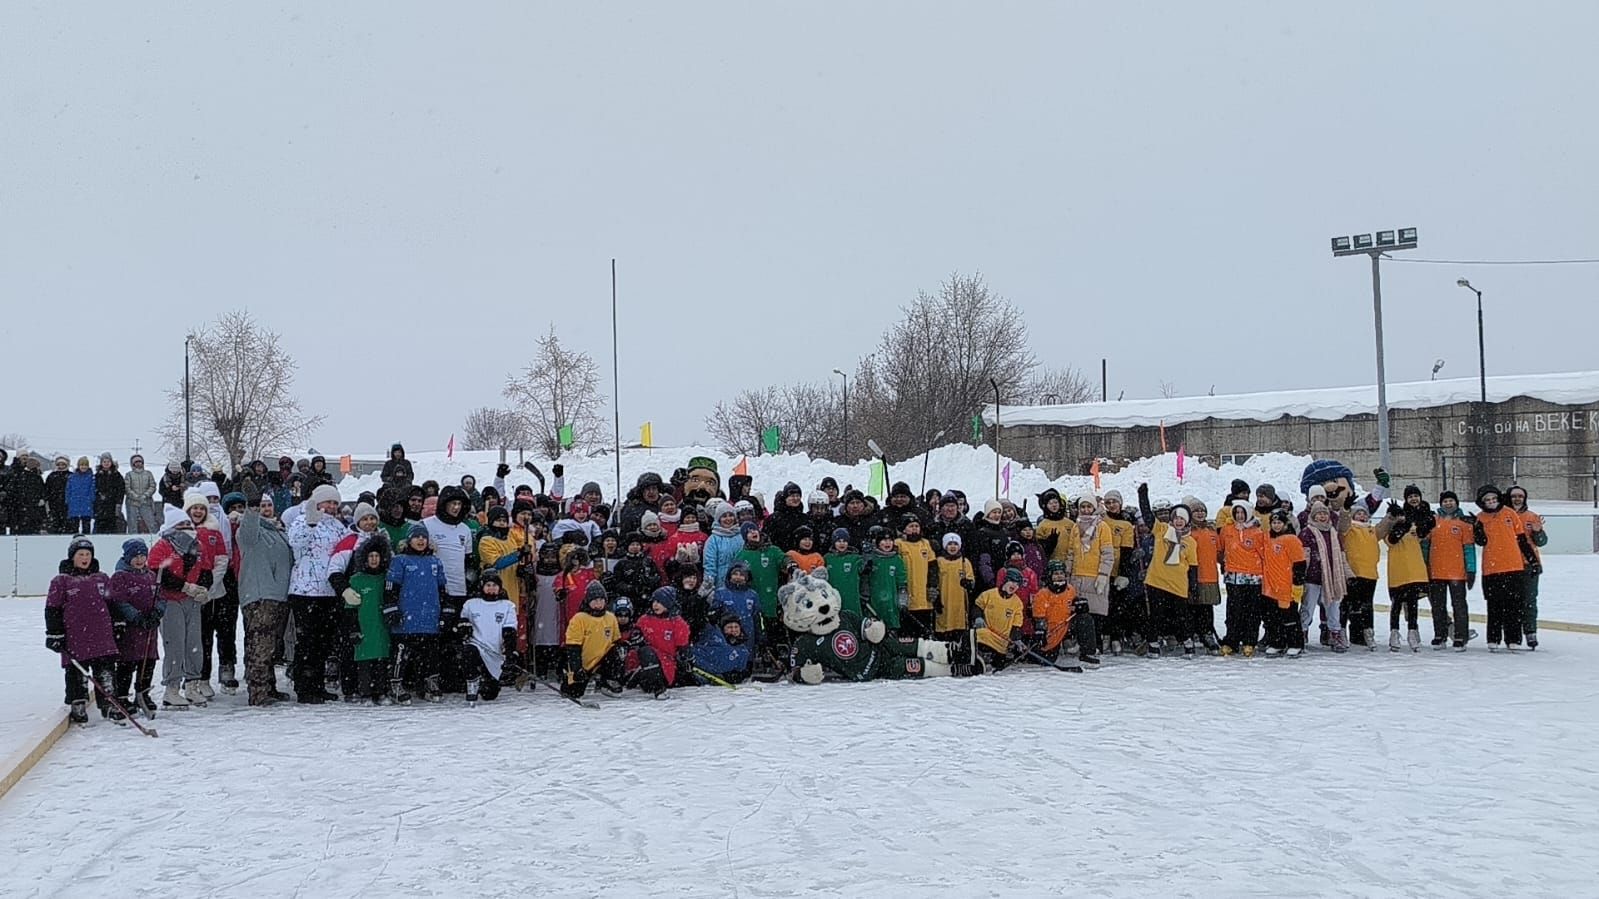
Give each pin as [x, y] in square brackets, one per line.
[324, 493]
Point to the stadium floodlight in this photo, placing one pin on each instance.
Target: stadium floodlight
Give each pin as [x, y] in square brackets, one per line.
[1365, 244]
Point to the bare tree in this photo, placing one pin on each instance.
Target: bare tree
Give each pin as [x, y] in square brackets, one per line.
[560, 387]
[809, 418]
[13, 442]
[242, 388]
[1053, 386]
[935, 368]
[493, 429]
[1168, 389]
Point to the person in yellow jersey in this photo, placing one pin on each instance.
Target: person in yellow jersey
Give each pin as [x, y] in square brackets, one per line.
[921, 569]
[1093, 559]
[1363, 552]
[1176, 553]
[950, 589]
[1403, 529]
[591, 637]
[999, 622]
[1055, 531]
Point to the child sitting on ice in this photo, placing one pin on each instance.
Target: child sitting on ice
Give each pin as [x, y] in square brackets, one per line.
[1058, 612]
[999, 623]
[590, 638]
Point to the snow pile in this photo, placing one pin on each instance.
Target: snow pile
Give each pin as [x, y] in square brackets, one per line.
[957, 466]
[1324, 404]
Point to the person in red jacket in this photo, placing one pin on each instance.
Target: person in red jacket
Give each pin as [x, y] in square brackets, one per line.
[665, 659]
[185, 562]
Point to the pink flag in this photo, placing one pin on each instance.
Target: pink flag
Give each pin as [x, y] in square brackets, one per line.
[1180, 448]
[449, 448]
[1006, 473]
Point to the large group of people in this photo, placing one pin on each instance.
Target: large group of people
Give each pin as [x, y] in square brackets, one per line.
[421, 591]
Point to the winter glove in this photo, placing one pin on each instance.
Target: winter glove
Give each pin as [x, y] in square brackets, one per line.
[811, 673]
[1471, 579]
[313, 516]
[1478, 535]
[502, 470]
[967, 583]
[55, 642]
[391, 615]
[463, 630]
[1079, 606]
[512, 664]
[874, 630]
[902, 600]
[119, 630]
[1040, 629]
[557, 469]
[634, 638]
[351, 598]
[1102, 584]
[980, 623]
[1121, 583]
[1382, 477]
[205, 580]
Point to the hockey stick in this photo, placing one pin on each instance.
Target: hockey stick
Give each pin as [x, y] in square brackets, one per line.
[1041, 659]
[100, 688]
[722, 683]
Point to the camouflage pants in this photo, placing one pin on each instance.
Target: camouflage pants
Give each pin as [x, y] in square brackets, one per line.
[263, 627]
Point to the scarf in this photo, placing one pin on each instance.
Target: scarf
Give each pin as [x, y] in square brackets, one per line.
[1174, 543]
[1330, 556]
[1087, 528]
[669, 517]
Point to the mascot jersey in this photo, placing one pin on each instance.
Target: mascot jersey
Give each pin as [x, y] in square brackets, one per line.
[848, 654]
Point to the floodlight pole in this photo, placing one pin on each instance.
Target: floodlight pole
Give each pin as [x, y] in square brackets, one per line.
[1383, 448]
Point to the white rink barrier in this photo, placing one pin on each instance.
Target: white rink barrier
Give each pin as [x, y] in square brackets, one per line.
[28, 563]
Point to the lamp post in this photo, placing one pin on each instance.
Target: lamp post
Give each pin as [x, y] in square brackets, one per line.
[995, 382]
[188, 407]
[846, 411]
[928, 455]
[1364, 245]
[1482, 350]
[1436, 368]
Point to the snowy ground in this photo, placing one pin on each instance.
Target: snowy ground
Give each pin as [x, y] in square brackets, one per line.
[30, 675]
[1372, 774]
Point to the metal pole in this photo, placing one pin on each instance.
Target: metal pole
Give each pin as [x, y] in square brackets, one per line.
[1104, 382]
[995, 382]
[1383, 454]
[846, 419]
[1482, 350]
[188, 408]
[616, 388]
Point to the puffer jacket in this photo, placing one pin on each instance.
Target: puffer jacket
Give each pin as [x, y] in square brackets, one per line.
[313, 546]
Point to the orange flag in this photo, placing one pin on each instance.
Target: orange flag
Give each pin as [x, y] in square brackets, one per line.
[1094, 470]
[345, 464]
[743, 467]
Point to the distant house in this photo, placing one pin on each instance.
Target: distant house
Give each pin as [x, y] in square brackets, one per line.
[1541, 431]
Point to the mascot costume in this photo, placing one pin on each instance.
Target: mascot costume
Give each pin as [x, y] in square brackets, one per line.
[1338, 483]
[829, 640]
[701, 483]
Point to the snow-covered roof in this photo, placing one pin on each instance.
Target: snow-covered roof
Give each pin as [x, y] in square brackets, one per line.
[1328, 404]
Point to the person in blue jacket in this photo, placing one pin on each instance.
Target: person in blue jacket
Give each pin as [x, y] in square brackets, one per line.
[413, 604]
[724, 650]
[722, 547]
[80, 498]
[738, 595]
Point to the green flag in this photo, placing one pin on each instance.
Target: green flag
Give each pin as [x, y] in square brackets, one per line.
[878, 484]
[772, 439]
[977, 429]
[564, 435]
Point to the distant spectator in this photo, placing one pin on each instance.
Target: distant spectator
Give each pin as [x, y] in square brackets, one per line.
[397, 470]
[110, 489]
[80, 498]
[171, 485]
[55, 495]
[24, 496]
[144, 513]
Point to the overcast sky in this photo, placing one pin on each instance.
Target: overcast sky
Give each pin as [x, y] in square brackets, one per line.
[409, 192]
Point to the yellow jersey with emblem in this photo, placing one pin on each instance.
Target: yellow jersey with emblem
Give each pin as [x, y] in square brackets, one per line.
[595, 633]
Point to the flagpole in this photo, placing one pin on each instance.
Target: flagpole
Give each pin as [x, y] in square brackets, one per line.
[616, 387]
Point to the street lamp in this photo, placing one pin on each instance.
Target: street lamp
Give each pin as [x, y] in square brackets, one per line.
[1482, 351]
[1437, 367]
[846, 411]
[1363, 244]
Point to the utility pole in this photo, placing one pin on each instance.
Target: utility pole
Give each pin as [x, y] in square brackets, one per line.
[846, 460]
[188, 407]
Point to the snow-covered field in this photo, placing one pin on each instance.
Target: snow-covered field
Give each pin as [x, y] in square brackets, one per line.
[1371, 774]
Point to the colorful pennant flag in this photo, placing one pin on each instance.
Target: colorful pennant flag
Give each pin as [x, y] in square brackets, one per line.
[877, 485]
[977, 429]
[646, 435]
[1180, 448]
[1094, 470]
[565, 437]
[346, 464]
[449, 448]
[772, 439]
[742, 469]
[1006, 474]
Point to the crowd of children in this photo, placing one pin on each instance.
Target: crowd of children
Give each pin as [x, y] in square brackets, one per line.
[422, 591]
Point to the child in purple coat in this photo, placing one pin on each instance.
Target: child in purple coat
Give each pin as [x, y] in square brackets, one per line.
[78, 624]
[138, 608]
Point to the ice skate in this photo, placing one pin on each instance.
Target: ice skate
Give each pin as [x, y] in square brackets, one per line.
[174, 698]
[1493, 647]
[1394, 643]
[1472, 635]
[471, 693]
[1141, 647]
[1211, 645]
[1188, 646]
[430, 689]
[1249, 652]
[1224, 651]
[203, 688]
[1088, 660]
[1532, 640]
[1115, 647]
[1460, 646]
[227, 680]
[1414, 639]
[1440, 642]
[1293, 652]
[80, 713]
[1273, 652]
[1370, 636]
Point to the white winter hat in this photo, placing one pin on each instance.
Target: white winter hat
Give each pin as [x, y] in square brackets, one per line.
[1113, 495]
[362, 510]
[210, 489]
[951, 537]
[325, 493]
[173, 519]
[1316, 490]
[194, 498]
[993, 505]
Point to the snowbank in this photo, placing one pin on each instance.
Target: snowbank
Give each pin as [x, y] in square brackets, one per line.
[958, 466]
[1325, 404]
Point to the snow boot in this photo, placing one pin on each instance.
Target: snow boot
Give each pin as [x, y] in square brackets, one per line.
[1460, 646]
[1141, 647]
[1370, 636]
[1338, 642]
[1394, 643]
[1087, 660]
[1414, 639]
[193, 692]
[230, 684]
[1224, 651]
[1211, 644]
[174, 698]
[80, 713]
[1326, 637]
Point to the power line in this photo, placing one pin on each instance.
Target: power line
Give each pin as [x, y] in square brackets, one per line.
[1492, 261]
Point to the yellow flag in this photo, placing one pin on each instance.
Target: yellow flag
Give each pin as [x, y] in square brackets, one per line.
[646, 435]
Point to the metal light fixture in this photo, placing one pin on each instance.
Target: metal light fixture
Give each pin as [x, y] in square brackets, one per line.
[1363, 242]
[1365, 245]
[1385, 239]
